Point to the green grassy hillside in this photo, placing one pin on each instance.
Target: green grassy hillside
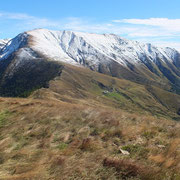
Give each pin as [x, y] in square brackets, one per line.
[81, 84]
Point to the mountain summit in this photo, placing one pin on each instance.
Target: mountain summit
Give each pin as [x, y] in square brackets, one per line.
[87, 48]
[106, 53]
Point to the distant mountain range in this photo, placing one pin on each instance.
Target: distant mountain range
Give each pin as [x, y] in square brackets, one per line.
[31, 59]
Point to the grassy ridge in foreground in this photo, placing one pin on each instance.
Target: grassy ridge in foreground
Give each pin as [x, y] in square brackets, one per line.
[51, 139]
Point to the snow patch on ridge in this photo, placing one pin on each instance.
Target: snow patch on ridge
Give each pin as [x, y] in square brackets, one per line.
[13, 45]
[3, 42]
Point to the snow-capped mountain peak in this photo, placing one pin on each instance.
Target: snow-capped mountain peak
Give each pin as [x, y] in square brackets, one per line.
[75, 47]
[86, 48]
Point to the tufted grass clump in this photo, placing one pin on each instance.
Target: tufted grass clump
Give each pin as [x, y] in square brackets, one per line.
[3, 117]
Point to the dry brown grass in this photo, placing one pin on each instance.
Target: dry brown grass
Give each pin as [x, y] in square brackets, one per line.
[128, 169]
[53, 139]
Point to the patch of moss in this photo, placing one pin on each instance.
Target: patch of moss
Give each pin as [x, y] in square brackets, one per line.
[62, 146]
[3, 117]
[136, 150]
[22, 141]
[148, 134]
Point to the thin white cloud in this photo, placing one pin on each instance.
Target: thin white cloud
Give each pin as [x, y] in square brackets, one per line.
[150, 21]
[27, 19]
[170, 25]
[17, 16]
[175, 45]
[158, 28]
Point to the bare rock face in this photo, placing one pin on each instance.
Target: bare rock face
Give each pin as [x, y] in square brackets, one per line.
[124, 152]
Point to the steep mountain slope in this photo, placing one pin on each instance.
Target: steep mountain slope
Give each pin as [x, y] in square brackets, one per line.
[3, 42]
[107, 53]
[81, 84]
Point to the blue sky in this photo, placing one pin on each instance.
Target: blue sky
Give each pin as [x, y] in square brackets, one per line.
[155, 21]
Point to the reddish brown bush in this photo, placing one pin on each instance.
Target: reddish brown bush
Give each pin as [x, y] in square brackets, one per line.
[59, 161]
[126, 168]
